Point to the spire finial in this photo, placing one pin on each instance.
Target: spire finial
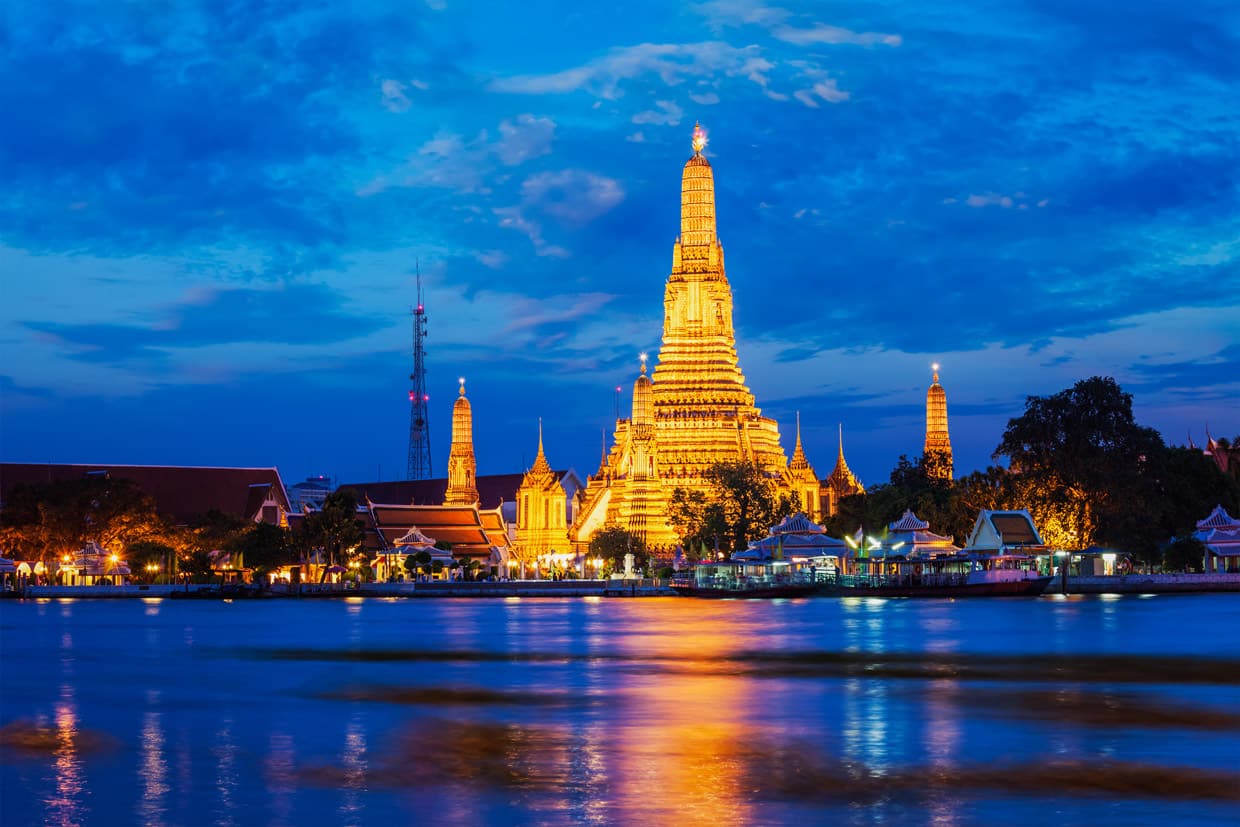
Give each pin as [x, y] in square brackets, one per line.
[798, 427]
[540, 448]
[642, 356]
[462, 381]
[935, 368]
[699, 138]
[841, 440]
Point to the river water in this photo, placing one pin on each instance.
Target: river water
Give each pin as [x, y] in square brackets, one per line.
[565, 711]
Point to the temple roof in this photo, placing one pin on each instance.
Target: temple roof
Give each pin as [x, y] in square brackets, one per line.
[184, 492]
[1219, 518]
[909, 522]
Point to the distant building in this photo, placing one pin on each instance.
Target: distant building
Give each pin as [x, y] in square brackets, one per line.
[1220, 534]
[184, 493]
[310, 494]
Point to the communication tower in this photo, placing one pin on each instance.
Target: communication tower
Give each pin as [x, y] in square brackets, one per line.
[419, 427]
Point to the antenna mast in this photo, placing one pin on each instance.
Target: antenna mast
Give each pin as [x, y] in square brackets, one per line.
[419, 426]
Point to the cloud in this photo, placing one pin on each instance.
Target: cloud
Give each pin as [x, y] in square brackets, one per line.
[671, 62]
[572, 195]
[705, 99]
[822, 33]
[822, 90]
[989, 199]
[528, 137]
[449, 161]
[494, 259]
[636, 138]
[214, 316]
[394, 99]
[774, 19]
[666, 114]
[514, 218]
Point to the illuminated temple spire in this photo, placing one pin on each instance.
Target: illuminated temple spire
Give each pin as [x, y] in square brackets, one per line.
[938, 448]
[802, 478]
[698, 375]
[693, 411]
[462, 466]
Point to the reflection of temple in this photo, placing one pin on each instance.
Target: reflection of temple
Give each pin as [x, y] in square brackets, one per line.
[938, 448]
[695, 410]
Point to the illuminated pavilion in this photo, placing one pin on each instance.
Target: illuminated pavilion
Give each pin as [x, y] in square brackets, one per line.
[695, 410]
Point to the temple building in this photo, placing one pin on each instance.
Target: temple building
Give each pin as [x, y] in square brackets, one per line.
[695, 410]
[938, 448]
[802, 479]
[842, 483]
[462, 466]
[542, 509]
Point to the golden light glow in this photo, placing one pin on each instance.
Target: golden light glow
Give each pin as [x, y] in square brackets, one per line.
[699, 138]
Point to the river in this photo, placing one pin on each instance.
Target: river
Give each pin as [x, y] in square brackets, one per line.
[1089, 710]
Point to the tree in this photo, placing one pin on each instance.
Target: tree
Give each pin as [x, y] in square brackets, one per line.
[336, 528]
[743, 503]
[46, 521]
[1185, 554]
[1085, 468]
[612, 542]
[151, 553]
[263, 547]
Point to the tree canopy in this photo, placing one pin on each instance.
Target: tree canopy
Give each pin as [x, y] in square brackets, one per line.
[335, 528]
[742, 505]
[612, 542]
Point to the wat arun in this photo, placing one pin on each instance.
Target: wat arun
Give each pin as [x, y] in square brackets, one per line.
[695, 409]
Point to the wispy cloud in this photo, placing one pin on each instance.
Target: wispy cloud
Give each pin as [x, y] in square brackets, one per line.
[665, 113]
[670, 62]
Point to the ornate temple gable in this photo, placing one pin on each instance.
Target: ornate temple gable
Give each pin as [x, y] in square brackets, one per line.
[938, 447]
[462, 466]
[542, 509]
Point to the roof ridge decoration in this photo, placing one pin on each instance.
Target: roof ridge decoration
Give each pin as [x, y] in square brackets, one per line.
[1219, 518]
[909, 522]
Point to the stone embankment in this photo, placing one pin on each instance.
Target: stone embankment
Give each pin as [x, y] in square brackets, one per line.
[512, 588]
[1147, 584]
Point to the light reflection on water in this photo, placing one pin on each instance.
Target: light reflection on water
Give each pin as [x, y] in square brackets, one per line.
[861, 711]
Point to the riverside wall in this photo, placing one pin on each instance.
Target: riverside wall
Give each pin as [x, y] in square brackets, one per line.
[1147, 584]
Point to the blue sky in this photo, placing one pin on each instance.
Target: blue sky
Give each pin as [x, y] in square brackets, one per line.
[212, 214]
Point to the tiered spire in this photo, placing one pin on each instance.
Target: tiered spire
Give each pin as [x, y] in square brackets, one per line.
[842, 477]
[540, 468]
[799, 461]
[938, 447]
[462, 465]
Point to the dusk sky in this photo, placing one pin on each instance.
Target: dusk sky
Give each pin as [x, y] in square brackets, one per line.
[212, 213]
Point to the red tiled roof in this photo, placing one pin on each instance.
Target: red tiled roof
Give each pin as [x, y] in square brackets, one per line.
[492, 490]
[184, 492]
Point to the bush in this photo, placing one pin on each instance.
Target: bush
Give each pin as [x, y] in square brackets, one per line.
[1184, 554]
[665, 573]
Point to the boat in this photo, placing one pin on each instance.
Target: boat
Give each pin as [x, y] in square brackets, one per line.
[952, 575]
[741, 580]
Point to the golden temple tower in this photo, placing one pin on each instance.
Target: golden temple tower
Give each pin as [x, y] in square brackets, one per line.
[841, 483]
[542, 523]
[462, 466]
[938, 449]
[695, 411]
[803, 480]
